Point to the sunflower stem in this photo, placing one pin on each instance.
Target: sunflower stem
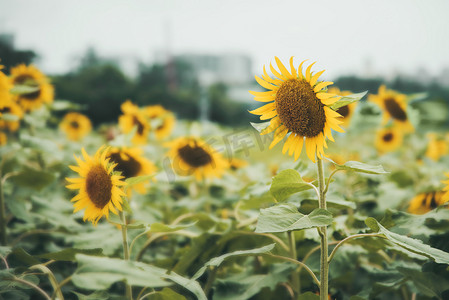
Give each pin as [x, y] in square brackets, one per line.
[2, 210]
[324, 264]
[129, 292]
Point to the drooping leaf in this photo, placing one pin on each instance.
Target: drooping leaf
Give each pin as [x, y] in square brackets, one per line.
[286, 217]
[216, 261]
[166, 294]
[408, 243]
[64, 105]
[189, 284]
[359, 167]
[69, 254]
[286, 183]
[345, 100]
[24, 89]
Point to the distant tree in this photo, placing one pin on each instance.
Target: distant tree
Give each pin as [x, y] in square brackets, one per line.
[10, 57]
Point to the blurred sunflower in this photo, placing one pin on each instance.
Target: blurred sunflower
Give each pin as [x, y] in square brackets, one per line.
[346, 111]
[166, 127]
[154, 111]
[32, 77]
[5, 86]
[100, 189]
[394, 106]
[298, 107]
[3, 138]
[12, 108]
[75, 126]
[134, 117]
[191, 155]
[131, 163]
[163, 120]
[425, 202]
[388, 139]
[237, 163]
[446, 188]
[436, 147]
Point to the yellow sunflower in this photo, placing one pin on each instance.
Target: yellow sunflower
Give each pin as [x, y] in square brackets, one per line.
[388, 139]
[134, 117]
[154, 111]
[298, 107]
[394, 106]
[346, 111]
[100, 189]
[3, 138]
[437, 147]
[31, 76]
[191, 155]
[237, 163]
[425, 202]
[446, 189]
[5, 86]
[131, 163]
[163, 120]
[75, 126]
[166, 127]
[10, 107]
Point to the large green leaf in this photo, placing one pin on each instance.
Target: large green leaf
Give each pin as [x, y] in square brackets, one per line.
[216, 261]
[359, 167]
[33, 178]
[189, 284]
[24, 89]
[408, 243]
[286, 217]
[69, 254]
[159, 227]
[286, 183]
[346, 100]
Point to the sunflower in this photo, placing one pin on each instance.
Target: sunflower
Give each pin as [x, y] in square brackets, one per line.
[163, 119]
[12, 108]
[437, 147]
[191, 155]
[5, 86]
[394, 106]
[388, 139]
[3, 138]
[425, 202]
[166, 127]
[446, 189]
[75, 126]
[154, 111]
[134, 117]
[31, 76]
[236, 163]
[346, 111]
[299, 108]
[131, 163]
[100, 189]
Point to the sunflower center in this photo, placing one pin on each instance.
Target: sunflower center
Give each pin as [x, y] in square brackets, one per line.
[388, 137]
[344, 111]
[5, 109]
[128, 165]
[75, 124]
[30, 81]
[99, 186]
[139, 125]
[195, 156]
[433, 201]
[395, 110]
[299, 108]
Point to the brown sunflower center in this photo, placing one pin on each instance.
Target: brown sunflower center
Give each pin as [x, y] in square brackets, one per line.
[388, 137]
[344, 111]
[195, 156]
[299, 108]
[126, 164]
[433, 201]
[99, 186]
[5, 109]
[139, 125]
[395, 110]
[74, 124]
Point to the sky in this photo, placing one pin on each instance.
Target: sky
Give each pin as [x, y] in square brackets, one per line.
[344, 37]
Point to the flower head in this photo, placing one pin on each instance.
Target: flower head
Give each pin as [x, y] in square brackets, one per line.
[75, 126]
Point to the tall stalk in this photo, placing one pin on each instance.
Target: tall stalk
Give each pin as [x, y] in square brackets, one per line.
[129, 292]
[2, 210]
[324, 264]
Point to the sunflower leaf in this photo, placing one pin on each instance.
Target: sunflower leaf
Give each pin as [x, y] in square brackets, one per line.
[260, 126]
[286, 217]
[136, 180]
[359, 167]
[159, 227]
[286, 183]
[126, 206]
[408, 243]
[68, 254]
[64, 105]
[24, 89]
[9, 117]
[346, 100]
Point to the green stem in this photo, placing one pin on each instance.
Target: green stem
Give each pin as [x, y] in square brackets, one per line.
[295, 275]
[324, 265]
[2, 210]
[129, 292]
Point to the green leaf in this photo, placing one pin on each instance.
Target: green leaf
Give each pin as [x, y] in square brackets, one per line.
[216, 261]
[33, 178]
[24, 89]
[69, 254]
[359, 167]
[345, 100]
[188, 284]
[98, 295]
[308, 296]
[159, 227]
[286, 183]
[96, 273]
[307, 205]
[136, 180]
[9, 117]
[260, 126]
[286, 217]
[411, 244]
[166, 294]
[64, 105]
[41, 144]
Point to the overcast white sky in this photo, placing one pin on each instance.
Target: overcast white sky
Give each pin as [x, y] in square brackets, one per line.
[395, 35]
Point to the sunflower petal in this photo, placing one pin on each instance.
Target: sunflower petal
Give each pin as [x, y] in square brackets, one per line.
[280, 133]
[308, 73]
[282, 68]
[322, 85]
[263, 109]
[315, 78]
[265, 84]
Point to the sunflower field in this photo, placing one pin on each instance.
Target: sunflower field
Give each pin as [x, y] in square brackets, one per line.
[333, 194]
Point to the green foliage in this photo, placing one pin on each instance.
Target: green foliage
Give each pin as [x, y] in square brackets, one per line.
[346, 100]
[359, 167]
[286, 183]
